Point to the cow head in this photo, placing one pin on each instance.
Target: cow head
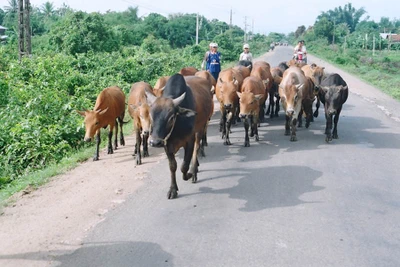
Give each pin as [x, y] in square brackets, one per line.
[93, 122]
[318, 74]
[141, 113]
[249, 104]
[226, 93]
[163, 114]
[333, 96]
[291, 97]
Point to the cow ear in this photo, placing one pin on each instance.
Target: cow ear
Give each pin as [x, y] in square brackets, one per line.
[186, 112]
[239, 94]
[258, 97]
[82, 113]
[150, 98]
[101, 112]
[179, 99]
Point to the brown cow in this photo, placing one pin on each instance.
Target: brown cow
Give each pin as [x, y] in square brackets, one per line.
[140, 112]
[196, 82]
[207, 75]
[295, 91]
[228, 84]
[262, 70]
[293, 62]
[179, 117]
[273, 106]
[159, 86]
[252, 93]
[108, 110]
[188, 71]
[317, 74]
[245, 71]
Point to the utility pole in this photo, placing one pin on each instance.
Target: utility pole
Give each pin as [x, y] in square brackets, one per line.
[21, 47]
[197, 29]
[373, 46]
[28, 28]
[230, 20]
[245, 28]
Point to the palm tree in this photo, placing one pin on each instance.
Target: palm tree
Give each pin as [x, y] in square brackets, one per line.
[48, 9]
[12, 6]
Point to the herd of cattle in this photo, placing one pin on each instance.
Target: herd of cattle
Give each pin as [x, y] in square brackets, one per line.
[176, 111]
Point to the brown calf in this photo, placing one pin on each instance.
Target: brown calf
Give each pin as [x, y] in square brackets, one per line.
[262, 70]
[273, 106]
[139, 110]
[228, 84]
[108, 110]
[252, 93]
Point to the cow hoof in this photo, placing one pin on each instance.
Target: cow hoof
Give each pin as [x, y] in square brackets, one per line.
[194, 178]
[95, 158]
[172, 194]
[186, 176]
[307, 125]
[202, 153]
[138, 161]
[315, 114]
[257, 138]
[247, 144]
[145, 154]
[293, 138]
[335, 136]
[287, 132]
[122, 142]
[110, 151]
[227, 143]
[328, 139]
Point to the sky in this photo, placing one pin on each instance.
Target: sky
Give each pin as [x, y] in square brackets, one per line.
[260, 16]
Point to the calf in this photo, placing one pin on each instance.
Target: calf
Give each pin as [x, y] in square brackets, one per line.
[294, 88]
[108, 110]
[277, 75]
[139, 110]
[333, 94]
[178, 119]
[261, 69]
[316, 73]
[250, 98]
[228, 84]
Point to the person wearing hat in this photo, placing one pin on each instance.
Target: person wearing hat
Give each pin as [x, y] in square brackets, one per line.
[206, 56]
[301, 48]
[246, 55]
[214, 61]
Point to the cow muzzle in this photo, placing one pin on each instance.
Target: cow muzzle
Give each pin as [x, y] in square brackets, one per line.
[228, 106]
[290, 112]
[87, 139]
[332, 112]
[156, 143]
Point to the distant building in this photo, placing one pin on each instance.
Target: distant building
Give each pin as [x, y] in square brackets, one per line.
[2, 33]
[392, 37]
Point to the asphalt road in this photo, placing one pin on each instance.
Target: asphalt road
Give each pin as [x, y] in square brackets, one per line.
[275, 203]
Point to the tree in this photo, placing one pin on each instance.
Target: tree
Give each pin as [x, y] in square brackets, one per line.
[348, 14]
[300, 30]
[324, 28]
[48, 10]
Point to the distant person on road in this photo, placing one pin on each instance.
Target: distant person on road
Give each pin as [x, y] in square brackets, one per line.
[214, 61]
[272, 46]
[205, 63]
[300, 49]
[246, 55]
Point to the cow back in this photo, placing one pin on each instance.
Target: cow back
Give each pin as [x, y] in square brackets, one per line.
[244, 71]
[206, 75]
[188, 71]
[112, 98]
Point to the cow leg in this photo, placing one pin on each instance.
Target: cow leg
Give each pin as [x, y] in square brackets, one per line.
[138, 144]
[254, 127]
[268, 109]
[116, 135]
[187, 158]
[293, 134]
[277, 108]
[173, 189]
[194, 164]
[98, 141]
[300, 118]
[271, 104]
[110, 134]
[246, 132]
[308, 111]
[335, 122]
[121, 136]
[229, 116]
[261, 112]
[316, 112]
[287, 125]
[222, 122]
[145, 145]
[328, 127]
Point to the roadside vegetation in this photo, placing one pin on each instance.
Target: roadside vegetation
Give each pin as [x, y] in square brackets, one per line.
[347, 38]
[75, 56]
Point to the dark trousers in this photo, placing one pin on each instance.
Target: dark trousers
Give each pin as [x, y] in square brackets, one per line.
[215, 75]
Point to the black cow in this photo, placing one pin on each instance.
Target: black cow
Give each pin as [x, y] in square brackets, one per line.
[283, 66]
[246, 63]
[333, 94]
[179, 119]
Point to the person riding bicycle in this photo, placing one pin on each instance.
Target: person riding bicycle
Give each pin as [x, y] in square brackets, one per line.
[300, 52]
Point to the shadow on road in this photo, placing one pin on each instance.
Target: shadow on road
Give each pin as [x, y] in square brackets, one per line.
[116, 254]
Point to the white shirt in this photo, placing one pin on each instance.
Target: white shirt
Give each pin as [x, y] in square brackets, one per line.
[246, 56]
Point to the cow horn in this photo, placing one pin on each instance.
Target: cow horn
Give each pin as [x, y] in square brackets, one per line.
[299, 86]
[82, 113]
[150, 98]
[101, 112]
[179, 99]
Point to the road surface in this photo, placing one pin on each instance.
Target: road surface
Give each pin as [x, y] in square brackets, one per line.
[275, 203]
